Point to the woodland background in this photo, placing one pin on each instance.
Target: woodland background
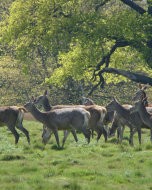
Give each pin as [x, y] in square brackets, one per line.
[66, 47]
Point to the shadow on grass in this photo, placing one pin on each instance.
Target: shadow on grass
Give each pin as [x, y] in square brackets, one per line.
[116, 141]
[39, 146]
[55, 147]
[12, 157]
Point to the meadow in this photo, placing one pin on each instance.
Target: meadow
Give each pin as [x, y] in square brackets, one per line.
[78, 166]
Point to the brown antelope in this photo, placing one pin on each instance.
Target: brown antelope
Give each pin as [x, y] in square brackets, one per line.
[145, 116]
[61, 119]
[110, 117]
[12, 116]
[97, 113]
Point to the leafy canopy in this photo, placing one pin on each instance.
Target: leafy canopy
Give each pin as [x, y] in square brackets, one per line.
[76, 35]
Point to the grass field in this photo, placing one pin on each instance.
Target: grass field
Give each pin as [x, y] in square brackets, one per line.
[78, 166]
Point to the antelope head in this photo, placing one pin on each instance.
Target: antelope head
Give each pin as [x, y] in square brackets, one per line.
[111, 106]
[46, 134]
[140, 94]
[41, 99]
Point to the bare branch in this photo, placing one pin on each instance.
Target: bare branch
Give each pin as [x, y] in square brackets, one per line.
[106, 59]
[134, 6]
[139, 78]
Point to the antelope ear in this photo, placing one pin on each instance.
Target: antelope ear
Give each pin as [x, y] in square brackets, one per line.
[32, 99]
[140, 85]
[114, 99]
[45, 93]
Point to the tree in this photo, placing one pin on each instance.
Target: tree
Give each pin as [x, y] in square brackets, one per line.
[141, 44]
[74, 38]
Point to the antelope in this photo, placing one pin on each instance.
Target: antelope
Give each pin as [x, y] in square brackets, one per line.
[132, 120]
[118, 123]
[61, 119]
[110, 117]
[44, 101]
[12, 116]
[145, 116]
[97, 113]
[89, 102]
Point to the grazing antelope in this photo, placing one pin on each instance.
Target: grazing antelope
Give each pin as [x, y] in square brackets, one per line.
[12, 116]
[145, 116]
[61, 119]
[118, 124]
[97, 113]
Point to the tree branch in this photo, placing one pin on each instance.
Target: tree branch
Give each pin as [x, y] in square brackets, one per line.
[139, 78]
[122, 43]
[134, 6]
[106, 59]
[130, 75]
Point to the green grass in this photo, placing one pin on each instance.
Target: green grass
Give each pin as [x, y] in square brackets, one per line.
[78, 166]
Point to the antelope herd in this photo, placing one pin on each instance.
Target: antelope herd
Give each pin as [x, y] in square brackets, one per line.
[87, 118]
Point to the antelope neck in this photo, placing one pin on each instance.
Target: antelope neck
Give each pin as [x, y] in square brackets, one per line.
[122, 111]
[40, 116]
[143, 112]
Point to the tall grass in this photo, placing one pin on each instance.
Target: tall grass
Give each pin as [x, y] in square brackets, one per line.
[79, 166]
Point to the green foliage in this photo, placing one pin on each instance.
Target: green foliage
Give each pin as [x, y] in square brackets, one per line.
[75, 63]
[61, 26]
[15, 84]
[57, 40]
